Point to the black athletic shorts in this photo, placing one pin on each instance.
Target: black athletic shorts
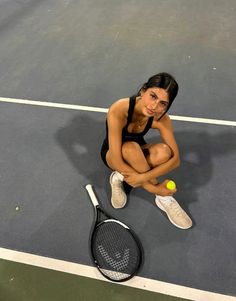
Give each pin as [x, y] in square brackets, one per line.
[105, 147]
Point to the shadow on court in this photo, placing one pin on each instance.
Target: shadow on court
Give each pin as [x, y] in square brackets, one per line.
[81, 140]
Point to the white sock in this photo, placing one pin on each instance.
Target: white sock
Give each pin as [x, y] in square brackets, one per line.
[165, 199]
[117, 176]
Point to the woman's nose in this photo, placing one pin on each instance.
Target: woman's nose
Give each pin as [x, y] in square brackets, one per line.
[154, 105]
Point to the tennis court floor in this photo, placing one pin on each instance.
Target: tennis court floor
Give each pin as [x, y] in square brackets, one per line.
[62, 64]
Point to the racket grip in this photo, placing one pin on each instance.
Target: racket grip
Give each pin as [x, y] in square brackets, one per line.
[91, 194]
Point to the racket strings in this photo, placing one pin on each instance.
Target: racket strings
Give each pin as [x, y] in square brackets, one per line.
[115, 250]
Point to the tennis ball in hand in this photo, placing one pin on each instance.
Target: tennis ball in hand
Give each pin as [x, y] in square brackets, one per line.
[171, 185]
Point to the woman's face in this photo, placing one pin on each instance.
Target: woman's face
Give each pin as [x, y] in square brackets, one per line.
[155, 101]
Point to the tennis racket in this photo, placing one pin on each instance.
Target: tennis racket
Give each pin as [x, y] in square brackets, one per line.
[115, 249]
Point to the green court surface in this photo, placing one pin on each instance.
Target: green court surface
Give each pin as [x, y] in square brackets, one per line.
[21, 282]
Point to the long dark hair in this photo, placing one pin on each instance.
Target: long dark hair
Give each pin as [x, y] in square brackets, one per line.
[165, 81]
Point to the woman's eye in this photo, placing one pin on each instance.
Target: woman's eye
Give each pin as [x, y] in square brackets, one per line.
[164, 104]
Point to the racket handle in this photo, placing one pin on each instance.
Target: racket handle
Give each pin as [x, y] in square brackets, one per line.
[91, 194]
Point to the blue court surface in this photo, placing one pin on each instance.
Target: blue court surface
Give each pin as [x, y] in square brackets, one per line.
[62, 64]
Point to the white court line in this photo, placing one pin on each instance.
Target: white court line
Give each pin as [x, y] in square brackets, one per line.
[104, 110]
[91, 272]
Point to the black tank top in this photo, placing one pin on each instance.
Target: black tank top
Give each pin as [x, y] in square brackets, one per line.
[127, 136]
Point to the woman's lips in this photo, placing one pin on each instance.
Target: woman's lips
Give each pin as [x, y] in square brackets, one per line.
[150, 112]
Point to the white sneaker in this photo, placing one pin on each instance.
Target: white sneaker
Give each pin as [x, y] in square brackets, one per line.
[118, 196]
[175, 213]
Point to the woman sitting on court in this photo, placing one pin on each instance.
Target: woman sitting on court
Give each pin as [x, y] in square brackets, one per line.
[136, 162]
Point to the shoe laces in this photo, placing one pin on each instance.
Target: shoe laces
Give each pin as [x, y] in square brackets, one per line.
[176, 208]
[118, 187]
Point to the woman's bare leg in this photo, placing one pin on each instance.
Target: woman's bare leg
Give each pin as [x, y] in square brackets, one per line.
[156, 154]
[133, 155]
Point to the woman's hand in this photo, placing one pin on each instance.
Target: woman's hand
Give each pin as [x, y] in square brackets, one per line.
[133, 178]
[163, 190]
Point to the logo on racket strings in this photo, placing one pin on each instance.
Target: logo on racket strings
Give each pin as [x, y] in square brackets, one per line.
[121, 262]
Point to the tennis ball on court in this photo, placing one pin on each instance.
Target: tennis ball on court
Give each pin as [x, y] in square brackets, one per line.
[171, 185]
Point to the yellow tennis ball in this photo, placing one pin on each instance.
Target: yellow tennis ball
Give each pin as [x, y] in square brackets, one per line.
[171, 185]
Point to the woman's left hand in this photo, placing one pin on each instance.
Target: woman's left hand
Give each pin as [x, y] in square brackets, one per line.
[134, 179]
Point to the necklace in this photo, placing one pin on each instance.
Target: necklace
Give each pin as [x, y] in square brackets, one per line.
[141, 123]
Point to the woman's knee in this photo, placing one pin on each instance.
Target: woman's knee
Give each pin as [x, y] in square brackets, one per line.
[160, 153]
[130, 148]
